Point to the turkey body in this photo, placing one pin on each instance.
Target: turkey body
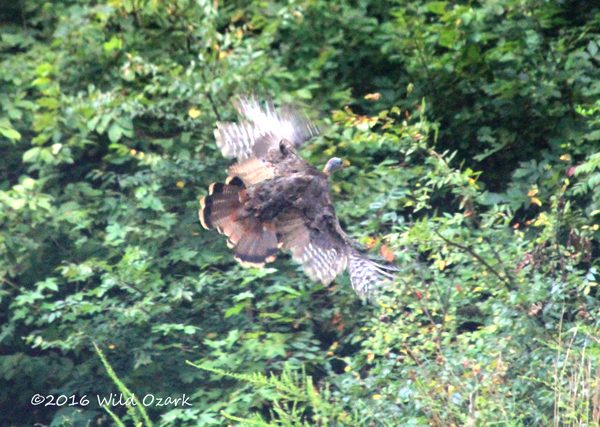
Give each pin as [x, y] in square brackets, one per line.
[299, 190]
[306, 193]
[273, 199]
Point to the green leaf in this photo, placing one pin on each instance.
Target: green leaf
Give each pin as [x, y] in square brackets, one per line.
[31, 155]
[449, 37]
[10, 133]
[437, 7]
[115, 43]
[115, 132]
[236, 309]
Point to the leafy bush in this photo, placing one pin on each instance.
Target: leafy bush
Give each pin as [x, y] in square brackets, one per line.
[471, 131]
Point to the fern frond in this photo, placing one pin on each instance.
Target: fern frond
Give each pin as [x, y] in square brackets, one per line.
[138, 407]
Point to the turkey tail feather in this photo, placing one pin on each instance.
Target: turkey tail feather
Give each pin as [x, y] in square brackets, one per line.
[258, 245]
[254, 242]
[220, 205]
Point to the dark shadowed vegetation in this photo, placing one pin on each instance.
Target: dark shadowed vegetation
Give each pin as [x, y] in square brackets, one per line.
[472, 131]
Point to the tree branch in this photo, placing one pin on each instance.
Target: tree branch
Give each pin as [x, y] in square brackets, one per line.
[478, 257]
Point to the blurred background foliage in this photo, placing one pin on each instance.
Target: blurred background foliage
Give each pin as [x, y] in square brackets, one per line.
[472, 129]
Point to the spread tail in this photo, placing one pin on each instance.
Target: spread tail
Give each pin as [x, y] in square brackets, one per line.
[254, 242]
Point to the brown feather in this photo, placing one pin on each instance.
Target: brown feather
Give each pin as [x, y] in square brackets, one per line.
[201, 215]
[320, 255]
[219, 205]
[254, 243]
[257, 245]
[293, 233]
[252, 171]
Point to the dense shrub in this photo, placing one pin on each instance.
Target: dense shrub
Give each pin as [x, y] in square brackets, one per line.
[471, 129]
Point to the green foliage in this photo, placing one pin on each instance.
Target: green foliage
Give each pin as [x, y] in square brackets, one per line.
[293, 397]
[471, 131]
[512, 73]
[135, 409]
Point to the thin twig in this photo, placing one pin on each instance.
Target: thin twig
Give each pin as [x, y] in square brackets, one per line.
[23, 18]
[137, 290]
[10, 283]
[499, 258]
[474, 254]
[213, 106]
[438, 334]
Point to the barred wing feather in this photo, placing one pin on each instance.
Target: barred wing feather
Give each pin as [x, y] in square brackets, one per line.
[367, 276]
[325, 255]
[322, 256]
[238, 140]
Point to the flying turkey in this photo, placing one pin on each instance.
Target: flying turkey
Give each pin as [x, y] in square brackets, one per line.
[273, 199]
